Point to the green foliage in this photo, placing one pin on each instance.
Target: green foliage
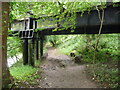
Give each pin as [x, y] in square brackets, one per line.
[19, 9]
[52, 39]
[107, 50]
[72, 42]
[14, 46]
[41, 9]
[106, 75]
[107, 54]
[84, 44]
[24, 73]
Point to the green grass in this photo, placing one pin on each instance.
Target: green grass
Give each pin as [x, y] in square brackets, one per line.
[24, 72]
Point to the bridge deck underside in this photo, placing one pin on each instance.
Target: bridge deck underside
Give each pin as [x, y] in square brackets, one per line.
[89, 23]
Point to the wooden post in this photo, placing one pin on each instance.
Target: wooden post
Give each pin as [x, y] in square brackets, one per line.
[25, 51]
[4, 20]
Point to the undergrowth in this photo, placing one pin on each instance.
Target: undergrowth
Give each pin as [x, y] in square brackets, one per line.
[107, 55]
[106, 76]
[25, 74]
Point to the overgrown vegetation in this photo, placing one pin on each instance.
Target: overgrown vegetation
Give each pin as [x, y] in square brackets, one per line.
[105, 74]
[25, 75]
[107, 53]
[105, 68]
[14, 46]
[22, 74]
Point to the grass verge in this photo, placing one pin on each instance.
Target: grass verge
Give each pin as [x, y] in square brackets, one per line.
[25, 75]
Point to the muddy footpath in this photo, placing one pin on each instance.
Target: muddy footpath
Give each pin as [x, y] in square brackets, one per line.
[60, 71]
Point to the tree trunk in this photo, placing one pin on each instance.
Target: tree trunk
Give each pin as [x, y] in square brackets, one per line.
[4, 72]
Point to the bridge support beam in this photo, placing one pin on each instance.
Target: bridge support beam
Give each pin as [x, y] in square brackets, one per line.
[37, 49]
[31, 59]
[41, 46]
[25, 51]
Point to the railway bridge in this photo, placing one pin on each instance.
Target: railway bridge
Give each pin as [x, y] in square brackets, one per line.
[32, 30]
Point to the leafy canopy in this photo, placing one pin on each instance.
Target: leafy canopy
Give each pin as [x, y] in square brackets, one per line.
[19, 9]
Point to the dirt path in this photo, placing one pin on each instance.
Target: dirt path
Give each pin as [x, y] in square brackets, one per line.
[59, 71]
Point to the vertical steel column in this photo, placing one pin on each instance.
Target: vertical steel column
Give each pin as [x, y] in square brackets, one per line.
[31, 23]
[37, 50]
[25, 51]
[31, 60]
[37, 42]
[41, 46]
